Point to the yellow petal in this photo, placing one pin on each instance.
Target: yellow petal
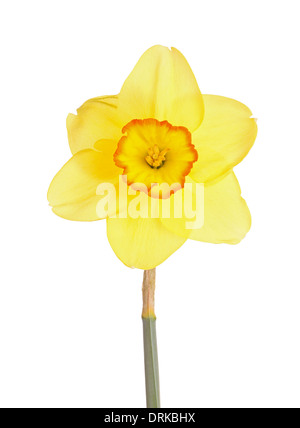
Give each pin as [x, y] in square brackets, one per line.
[98, 118]
[224, 138]
[226, 216]
[142, 243]
[73, 191]
[162, 86]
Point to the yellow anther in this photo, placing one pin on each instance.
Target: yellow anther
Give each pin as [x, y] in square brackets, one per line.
[155, 157]
[156, 149]
[150, 152]
[149, 160]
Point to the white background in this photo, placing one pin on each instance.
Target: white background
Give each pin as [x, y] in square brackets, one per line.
[228, 316]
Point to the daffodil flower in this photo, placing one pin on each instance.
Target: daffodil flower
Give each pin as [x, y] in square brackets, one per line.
[159, 129]
[161, 139]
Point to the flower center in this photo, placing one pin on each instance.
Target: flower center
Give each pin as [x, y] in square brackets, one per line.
[155, 153]
[155, 157]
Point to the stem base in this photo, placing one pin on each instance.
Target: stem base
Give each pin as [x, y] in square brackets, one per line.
[151, 363]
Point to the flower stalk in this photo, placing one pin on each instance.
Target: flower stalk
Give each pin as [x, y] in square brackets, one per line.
[150, 342]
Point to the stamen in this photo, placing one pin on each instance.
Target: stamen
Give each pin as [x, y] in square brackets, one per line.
[155, 157]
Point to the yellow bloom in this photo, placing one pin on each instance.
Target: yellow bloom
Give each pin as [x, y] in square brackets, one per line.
[159, 130]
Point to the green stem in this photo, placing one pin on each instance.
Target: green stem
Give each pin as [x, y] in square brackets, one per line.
[150, 343]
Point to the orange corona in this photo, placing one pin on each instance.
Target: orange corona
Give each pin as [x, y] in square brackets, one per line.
[154, 153]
